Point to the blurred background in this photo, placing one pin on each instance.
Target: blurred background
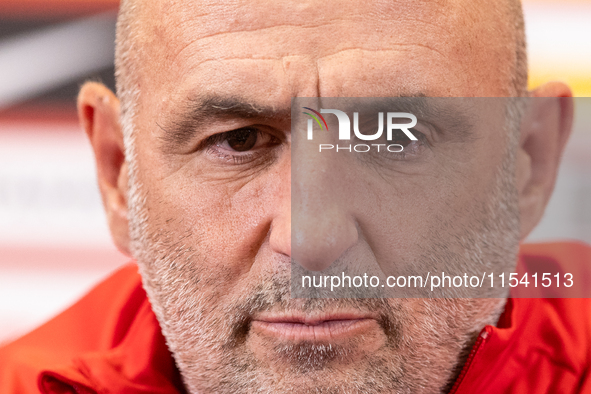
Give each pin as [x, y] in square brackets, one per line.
[54, 241]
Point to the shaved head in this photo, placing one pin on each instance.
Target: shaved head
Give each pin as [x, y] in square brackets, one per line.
[505, 19]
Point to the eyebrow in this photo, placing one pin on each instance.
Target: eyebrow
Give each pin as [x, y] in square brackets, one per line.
[182, 128]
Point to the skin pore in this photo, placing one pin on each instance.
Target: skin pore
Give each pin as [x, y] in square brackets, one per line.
[211, 227]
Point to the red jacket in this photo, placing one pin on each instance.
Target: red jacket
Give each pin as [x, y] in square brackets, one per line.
[110, 342]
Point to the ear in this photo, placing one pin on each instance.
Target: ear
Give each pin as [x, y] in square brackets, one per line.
[544, 131]
[98, 110]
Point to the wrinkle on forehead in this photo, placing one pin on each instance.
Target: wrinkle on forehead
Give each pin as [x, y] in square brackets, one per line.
[180, 36]
[394, 48]
[320, 25]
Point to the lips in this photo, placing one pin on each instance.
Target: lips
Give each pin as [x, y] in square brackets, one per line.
[315, 328]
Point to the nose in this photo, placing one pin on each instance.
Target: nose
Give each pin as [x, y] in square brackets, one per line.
[323, 221]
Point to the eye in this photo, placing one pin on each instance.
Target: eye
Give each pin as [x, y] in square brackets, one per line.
[400, 138]
[242, 145]
[242, 140]
[411, 147]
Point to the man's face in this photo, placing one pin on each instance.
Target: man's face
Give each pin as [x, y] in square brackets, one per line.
[211, 207]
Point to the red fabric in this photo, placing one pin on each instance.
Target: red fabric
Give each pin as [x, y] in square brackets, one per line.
[110, 342]
[541, 345]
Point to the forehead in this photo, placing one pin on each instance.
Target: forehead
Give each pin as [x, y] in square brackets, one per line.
[282, 49]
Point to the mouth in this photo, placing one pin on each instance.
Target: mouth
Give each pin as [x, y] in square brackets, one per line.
[313, 328]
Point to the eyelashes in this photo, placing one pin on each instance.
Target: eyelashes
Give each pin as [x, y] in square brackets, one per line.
[250, 144]
[380, 149]
[240, 146]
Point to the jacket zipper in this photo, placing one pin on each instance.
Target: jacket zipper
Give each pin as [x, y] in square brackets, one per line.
[479, 343]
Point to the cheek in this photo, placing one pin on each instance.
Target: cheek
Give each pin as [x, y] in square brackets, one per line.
[225, 223]
[409, 214]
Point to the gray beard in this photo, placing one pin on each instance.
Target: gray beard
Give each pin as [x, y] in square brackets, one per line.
[427, 339]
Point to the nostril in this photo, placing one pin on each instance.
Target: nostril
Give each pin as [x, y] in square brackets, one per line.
[316, 249]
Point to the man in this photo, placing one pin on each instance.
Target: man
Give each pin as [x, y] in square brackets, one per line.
[194, 161]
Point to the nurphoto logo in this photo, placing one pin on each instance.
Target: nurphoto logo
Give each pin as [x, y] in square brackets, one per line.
[345, 129]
